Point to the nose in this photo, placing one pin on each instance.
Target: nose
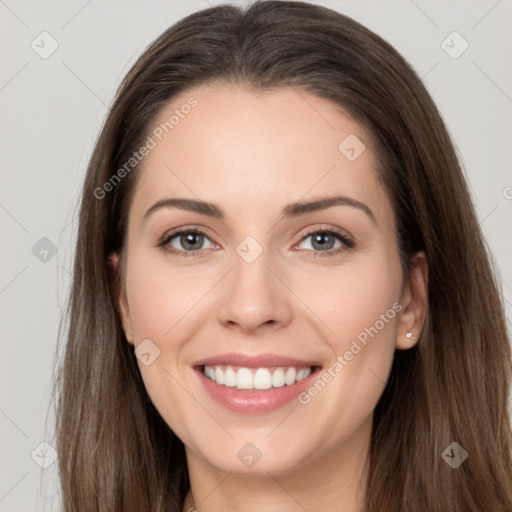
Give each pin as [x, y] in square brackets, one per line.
[253, 297]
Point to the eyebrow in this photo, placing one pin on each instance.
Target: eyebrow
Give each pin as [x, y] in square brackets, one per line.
[289, 211]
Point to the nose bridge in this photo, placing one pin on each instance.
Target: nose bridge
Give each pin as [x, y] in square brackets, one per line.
[251, 269]
[253, 296]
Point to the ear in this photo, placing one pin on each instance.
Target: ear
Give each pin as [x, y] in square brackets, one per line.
[414, 299]
[117, 281]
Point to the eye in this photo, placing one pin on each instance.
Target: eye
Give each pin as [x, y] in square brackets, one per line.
[190, 242]
[327, 241]
[186, 242]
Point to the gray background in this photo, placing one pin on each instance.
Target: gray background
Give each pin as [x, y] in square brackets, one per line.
[51, 113]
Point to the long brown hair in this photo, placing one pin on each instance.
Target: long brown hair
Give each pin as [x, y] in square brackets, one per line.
[115, 451]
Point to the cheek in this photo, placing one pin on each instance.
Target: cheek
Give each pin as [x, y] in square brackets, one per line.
[361, 308]
[162, 310]
[161, 299]
[167, 306]
[355, 298]
[365, 308]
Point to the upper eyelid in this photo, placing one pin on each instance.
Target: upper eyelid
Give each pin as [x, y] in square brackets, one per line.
[185, 229]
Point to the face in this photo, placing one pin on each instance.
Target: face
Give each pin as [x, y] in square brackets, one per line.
[307, 304]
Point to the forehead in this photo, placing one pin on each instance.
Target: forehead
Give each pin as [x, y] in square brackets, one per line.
[248, 149]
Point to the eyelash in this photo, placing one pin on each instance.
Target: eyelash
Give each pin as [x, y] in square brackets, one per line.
[347, 242]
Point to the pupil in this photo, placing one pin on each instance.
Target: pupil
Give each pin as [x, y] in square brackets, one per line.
[190, 240]
[324, 240]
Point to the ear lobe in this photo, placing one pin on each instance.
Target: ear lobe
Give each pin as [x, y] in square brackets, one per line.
[116, 281]
[415, 303]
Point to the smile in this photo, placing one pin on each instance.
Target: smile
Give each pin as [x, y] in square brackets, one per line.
[260, 378]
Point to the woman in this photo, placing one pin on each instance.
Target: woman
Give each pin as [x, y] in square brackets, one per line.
[282, 299]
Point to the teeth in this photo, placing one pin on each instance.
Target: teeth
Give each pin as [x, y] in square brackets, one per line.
[244, 378]
[209, 372]
[261, 378]
[278, 378]
[219, 376]
[230, 378]
[291, 375]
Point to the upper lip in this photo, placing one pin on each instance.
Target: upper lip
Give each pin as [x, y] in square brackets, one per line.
[254, 361]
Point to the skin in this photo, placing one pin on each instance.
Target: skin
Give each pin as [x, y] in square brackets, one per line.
[252, 154]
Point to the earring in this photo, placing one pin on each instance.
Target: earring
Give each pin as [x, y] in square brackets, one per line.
[409, 335]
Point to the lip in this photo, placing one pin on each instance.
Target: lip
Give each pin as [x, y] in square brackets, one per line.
[254, 401]
[254, 361]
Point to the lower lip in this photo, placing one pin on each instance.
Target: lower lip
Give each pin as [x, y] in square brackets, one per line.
[255, 401]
